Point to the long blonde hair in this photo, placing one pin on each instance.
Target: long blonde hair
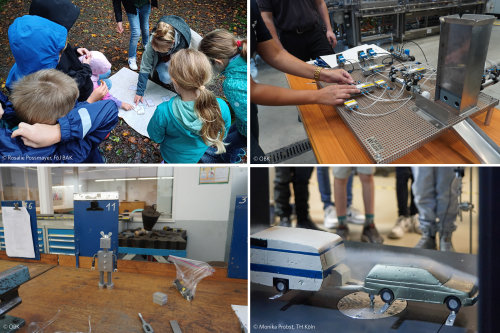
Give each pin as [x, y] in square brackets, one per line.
[222, 45]
[191, 70]
[163, 37]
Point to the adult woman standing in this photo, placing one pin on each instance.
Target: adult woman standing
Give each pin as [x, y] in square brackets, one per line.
[138, 15]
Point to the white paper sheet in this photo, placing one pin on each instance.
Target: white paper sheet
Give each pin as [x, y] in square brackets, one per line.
[352, 55]
[123, 82]
[242, 314]
[17, 231]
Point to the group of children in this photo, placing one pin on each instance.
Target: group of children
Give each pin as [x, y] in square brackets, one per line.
[63, 92]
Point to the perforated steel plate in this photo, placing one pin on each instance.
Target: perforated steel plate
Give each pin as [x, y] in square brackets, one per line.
[391, 136]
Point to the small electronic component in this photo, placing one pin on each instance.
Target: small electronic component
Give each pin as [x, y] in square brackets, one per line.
[362, 56]
[351, 104]
[418, 69]
[185, 292]
[366, 87]
[380, 83]
[340, 60]
[372, 69]
[371, 53]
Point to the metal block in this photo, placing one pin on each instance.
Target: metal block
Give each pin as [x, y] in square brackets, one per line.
[463, 47]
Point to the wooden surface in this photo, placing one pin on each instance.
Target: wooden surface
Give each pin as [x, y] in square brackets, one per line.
[75, 292]
[334, 143]
[131, 205]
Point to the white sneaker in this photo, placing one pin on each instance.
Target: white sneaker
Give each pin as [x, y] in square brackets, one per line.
[415, 224]
[355, 216]
[331, 220]
[132, 63]
[403, 224]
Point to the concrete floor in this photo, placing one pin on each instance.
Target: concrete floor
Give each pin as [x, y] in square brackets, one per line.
[386, 209]
[279, 126]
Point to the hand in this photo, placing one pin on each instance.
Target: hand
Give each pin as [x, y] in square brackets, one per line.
[331, 38]
[335, 94]
[38, 135]
[98, 93]
[335, 76]
[84, 51]
[119, 27]
[126, 106]
[138, 99]
[86, 60]
[1, 111]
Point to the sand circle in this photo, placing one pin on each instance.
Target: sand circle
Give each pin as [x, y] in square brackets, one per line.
[357, 306]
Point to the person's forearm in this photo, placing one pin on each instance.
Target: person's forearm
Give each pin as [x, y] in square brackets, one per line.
[263, 94]
[282, 60]
[267, 17]
[323, 13]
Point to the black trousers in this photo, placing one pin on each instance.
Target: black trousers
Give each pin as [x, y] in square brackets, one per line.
[403, 174]
[299, 177]
[308, 45]
[257, 155]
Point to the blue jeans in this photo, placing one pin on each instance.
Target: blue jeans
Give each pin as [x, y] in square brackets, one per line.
[234, 150]
[163, 75]
[325, 188]
[139, 24]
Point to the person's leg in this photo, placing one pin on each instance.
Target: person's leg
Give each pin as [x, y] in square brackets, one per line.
[349, 189]
[324, 186]
[403, 223]
[235, 149]
[135, 33]
[447, 205]
[294, 44]
[318, 44]
[282, 194]
[300, 180]
[341, 174]
[370, 233]
[425, 200]
[163, 75]
[414, 224]
[144, 12]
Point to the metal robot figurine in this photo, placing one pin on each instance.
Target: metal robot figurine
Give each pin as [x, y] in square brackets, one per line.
[106, 261]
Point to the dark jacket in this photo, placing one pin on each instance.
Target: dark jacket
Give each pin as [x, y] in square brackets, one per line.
[82, 73]
[82, 130]
[64, 13]
[129, 7]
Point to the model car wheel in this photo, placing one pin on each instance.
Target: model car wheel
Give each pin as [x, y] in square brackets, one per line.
[387, 295]
[281, 285]
[453, 303]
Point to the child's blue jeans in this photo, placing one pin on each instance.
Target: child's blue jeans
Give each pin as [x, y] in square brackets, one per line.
[139, 25]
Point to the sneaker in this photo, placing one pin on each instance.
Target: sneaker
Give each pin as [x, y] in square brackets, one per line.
[415, 224]
[285, 222]
[427, 242]
[445, 243]
[307, 224]
[400, 228]
[331, 220]
[370, 235]
[132, 63]
[343, 231]
[355, 216]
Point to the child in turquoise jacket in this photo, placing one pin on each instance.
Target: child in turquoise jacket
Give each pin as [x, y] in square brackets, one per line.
[191, 122]
[228, 57]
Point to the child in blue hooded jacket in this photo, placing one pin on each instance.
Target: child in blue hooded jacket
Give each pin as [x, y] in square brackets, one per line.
[46, 97]
[228, 57]
[195, 119]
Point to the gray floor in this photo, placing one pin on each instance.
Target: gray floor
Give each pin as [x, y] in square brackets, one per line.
[279, 126]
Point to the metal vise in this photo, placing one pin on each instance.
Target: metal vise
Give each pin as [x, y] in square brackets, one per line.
[10, 280]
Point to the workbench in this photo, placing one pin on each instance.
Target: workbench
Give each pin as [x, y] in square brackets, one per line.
[57, 285]
[334, 143]
[308, 311]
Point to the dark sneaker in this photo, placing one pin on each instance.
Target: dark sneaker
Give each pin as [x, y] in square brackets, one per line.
[445, 243]
[343, 231]
[427, 242]
[307, 224]
[370, 235]
[285, 222]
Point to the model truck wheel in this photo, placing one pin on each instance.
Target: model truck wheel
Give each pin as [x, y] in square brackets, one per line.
[281, 285]
[453, 303]
[387, 295]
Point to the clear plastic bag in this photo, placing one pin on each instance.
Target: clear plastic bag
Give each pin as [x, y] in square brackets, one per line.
[189, 273]
[40, 327]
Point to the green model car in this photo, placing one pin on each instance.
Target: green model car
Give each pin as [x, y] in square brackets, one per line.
[418, 284]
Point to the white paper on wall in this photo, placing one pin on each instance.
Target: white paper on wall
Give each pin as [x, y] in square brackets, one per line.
[17, 231]
[123, 88]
